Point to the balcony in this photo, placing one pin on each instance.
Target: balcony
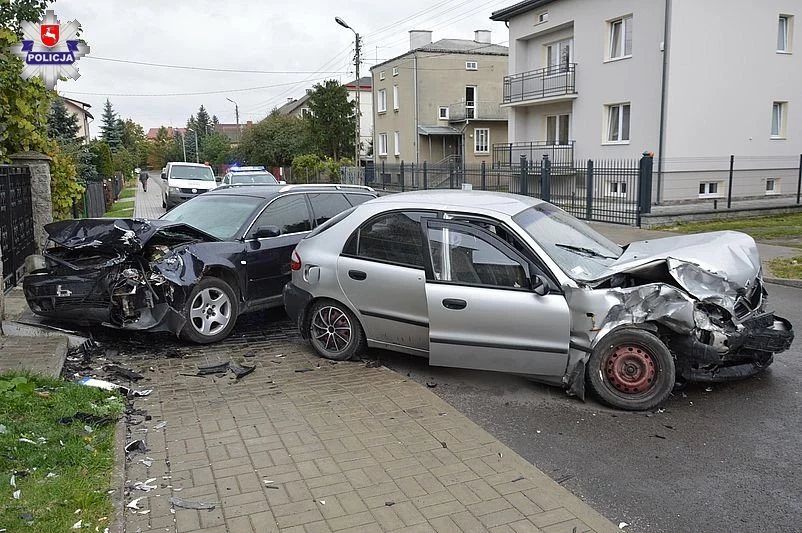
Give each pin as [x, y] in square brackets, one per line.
[554, 83]
[462, 111]
[509, 154]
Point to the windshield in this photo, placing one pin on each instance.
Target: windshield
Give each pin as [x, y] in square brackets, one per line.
[253, 177]
[220, 215]
[192, 173]
[578, 249]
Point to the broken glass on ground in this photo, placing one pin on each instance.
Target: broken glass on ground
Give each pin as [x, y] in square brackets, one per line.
[186, 504]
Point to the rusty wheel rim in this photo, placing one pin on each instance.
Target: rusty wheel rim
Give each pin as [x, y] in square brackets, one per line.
[631, 370]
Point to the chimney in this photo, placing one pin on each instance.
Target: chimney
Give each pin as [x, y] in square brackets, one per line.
[418, 38]
[290, 99]
[482, 36]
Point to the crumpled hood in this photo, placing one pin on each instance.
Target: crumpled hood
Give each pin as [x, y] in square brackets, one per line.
[716, 267]
[121, 235]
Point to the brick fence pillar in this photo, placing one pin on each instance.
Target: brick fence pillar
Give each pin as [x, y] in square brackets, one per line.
[40, 191]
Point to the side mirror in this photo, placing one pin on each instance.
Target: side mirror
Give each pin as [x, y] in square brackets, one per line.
[218, 179]
[538, 286]
[263, 232]
[164, 176]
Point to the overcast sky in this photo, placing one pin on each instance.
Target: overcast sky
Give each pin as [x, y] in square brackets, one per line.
[297, 43]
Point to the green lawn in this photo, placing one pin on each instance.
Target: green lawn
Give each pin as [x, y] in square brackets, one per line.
[127, 193]
[61, 468]
[123, 208]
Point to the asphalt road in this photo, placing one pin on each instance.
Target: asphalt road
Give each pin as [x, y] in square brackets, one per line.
[724, 458]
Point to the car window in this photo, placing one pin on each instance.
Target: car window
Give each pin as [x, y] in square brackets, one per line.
[357, 198]
[330, 222]
[191, 173]
[326, 205]
[289, 213]
[394, 238]
[460, 256]
[252, 177]
[220, 215]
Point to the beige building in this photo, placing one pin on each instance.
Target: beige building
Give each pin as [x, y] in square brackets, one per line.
[690, 81]
[80, 110]
[440, 101]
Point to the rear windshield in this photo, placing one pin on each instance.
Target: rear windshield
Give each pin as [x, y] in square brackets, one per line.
[220, 215]
[253, 177]
[192, 173]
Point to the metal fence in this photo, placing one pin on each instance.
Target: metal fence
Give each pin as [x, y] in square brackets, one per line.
[17, 239]
[98, 197]
[617, 191]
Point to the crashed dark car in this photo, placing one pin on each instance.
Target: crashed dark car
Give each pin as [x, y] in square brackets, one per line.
[502, 282]
[191, 272]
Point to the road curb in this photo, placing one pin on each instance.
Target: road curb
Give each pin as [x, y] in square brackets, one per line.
[796, 283]
[117, 524]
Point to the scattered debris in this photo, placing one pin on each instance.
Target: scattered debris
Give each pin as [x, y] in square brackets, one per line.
[29, 441]
[86, 418]
[431, 384]
[108, 385]
[667, 426]
[185, 504]
[519, 478]
[136, 446]
[3, 429]
[27, 517]
[270, 484]
[280, 355]
[622, 525]
[88, 430]
[160, 425]
[147, 461]
[303, 370]
[709, 389]
[145, 486]
[249, 354]
[322, 502]
[389, 504]
[17, 493]
[565, 478]
[135, 503]
[13, 480]
[240, 371]
[212, 369]
[658, 436]
[124, 372]
[78, 524]
[443, 444]
[51, 474]
[372, 363]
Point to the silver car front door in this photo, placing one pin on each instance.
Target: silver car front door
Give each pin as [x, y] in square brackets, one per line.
[483, 313]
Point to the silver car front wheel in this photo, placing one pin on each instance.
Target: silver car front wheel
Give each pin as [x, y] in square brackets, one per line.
[334, 331]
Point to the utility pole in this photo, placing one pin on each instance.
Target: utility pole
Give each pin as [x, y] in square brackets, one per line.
[184, 146]
[357, 60]
[236, 114]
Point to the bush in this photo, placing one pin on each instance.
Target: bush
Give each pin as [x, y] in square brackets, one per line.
[65, 188]
[305, 166]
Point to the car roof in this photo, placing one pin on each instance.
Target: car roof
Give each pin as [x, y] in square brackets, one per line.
[456, 199]
[268, 190]
[184, 164]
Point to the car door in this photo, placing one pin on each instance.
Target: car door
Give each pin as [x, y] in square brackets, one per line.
[483, 313]
[381, 271]
[268, 257]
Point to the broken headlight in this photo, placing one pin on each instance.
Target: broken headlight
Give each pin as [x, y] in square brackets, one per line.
[701, 318]
[34, 263]
[172, 263]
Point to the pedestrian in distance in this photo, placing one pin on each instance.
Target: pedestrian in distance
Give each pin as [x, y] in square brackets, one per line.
[143, 177]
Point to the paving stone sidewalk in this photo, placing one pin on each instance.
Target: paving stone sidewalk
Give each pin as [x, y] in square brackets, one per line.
[304, 445]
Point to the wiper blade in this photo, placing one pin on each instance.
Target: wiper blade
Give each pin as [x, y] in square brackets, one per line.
[583, 250]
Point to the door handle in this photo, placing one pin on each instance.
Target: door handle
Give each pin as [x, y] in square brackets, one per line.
[357, 275]
[454, 303]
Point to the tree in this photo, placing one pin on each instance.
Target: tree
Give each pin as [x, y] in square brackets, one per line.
[24, 104]
[175, 152]
[332, 119]
[158, 149]
[110, 131]
[217, 149]
[275, 141]
[103, 159]
[133, 138]
[62, 126]
[215, 120]
[203, 122]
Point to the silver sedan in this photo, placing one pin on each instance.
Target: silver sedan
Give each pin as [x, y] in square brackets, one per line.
[507, 283]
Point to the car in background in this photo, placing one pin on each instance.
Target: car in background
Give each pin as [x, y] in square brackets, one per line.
[504, 282]
[248, 176]
[191, 272]
[185, 181]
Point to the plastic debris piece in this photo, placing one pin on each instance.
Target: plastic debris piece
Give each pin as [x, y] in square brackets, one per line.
[86, 418]
[280, 355]
[3, 429]
[146, 462]
[622, 525]
[27, 518]
[124, 372]
[78, 524]
[186, 504]
[709, 389]
[240, 371]
[160, 425]
[146, 511]
[443, 444]
[212, 369]
[17, 493]
[519, 478]
[77, 511]
[389, 504]
[136, 446]
[107, 385]
[322, 502]
[51, 474]
[29, 441]
[13, 480]
[299, 370]
[88, 430]
[431, 384]
[146, 486]
[135, 503]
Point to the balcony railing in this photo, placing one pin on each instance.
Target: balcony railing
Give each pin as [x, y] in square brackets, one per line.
[476, 111]
[509, 154]
[556, 80]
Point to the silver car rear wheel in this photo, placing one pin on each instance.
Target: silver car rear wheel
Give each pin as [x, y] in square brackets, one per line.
[334, 331]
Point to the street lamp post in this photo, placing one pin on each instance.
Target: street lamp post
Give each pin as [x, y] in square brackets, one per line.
[357, 49]
[236, 114]
[184, 146]
[197, 157]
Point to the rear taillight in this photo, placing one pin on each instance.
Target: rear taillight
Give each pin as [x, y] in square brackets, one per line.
[295, 261]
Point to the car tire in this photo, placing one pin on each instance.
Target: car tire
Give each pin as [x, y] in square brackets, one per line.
[631, 369]
[334, 331]
[210, 311]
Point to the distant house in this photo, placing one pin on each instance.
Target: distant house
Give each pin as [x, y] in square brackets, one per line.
[80, 111]
[233, 131]
[153, 133]
[364, 86]
[296, 107]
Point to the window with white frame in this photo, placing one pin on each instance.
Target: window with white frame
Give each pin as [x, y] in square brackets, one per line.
[543, 17]
[557, 129]
[381, 75]
[442, 112]
[481, 140]
[381, 105]
[778, 113]
[772, 186]
[382, 144]
[397, 142]
[617, 188]
[395, 71]
[709, 188]
[618, 123]
[471, 65]
[559, 56]
[395, 97]
[784, 33]
[620, 38]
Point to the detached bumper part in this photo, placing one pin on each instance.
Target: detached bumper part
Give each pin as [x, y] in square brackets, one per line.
[296, 301]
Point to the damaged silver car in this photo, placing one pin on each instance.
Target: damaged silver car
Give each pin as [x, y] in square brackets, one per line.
[503, 282]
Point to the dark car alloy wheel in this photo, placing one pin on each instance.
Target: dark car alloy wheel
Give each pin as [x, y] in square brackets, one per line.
[631, 369]
[211, 311]
[334, 331]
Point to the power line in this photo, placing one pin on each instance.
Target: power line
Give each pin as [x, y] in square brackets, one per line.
[212, 69]
[223, 91]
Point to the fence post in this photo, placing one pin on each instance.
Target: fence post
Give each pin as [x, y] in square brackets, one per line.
[384, 186]
[589, 179]
[484, 176]
[799, 180]
[451, 174]
[729, 187]
[425, 177]
[412, 173]
[401, 171]
[645, 184]
[545, 179]
[524, 188]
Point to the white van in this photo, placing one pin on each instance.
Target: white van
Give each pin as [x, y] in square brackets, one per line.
[185, 181]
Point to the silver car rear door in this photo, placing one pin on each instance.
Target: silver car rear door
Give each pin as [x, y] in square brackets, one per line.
[483, 313]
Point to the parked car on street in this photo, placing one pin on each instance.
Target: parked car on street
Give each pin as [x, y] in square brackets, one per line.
[248, 176]
[186, 181]
[503, 282]
[191, 272]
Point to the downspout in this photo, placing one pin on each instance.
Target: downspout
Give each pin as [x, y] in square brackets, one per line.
[663, 90]
[415, 133]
